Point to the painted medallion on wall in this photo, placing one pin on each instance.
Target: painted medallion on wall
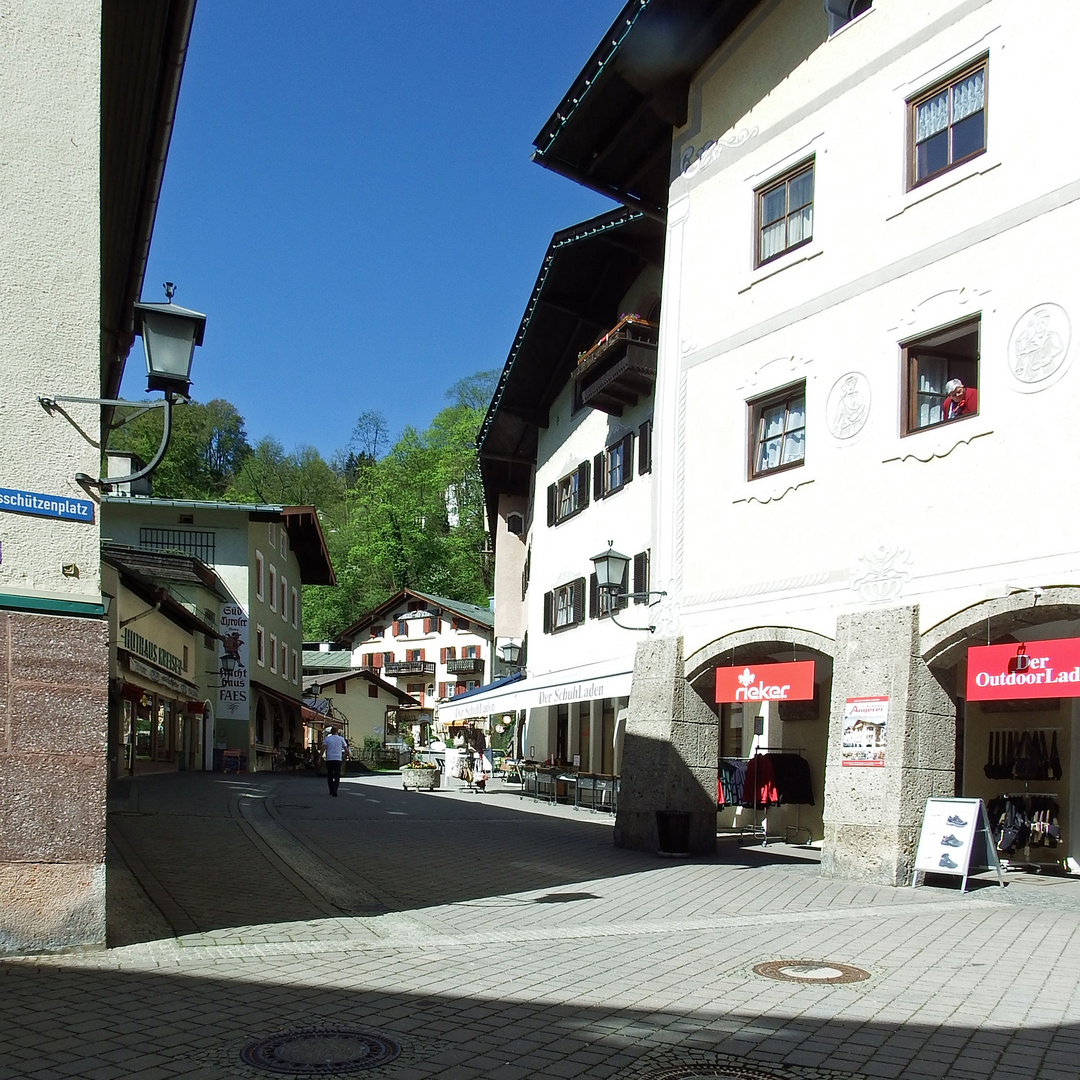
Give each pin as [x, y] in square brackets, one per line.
[1039, 348]
[848, 406]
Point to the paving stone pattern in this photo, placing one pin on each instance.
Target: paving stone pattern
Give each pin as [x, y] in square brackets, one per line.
[490, 936]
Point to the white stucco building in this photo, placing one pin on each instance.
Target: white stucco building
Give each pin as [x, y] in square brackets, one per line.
[89, 93]
[862, 204]
[566, 457]
[429, 647]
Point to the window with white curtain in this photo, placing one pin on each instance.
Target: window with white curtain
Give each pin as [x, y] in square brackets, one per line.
[778, 431]
[948, 123]
[785, 212]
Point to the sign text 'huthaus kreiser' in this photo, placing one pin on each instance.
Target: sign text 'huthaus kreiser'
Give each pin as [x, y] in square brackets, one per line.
[149, 650]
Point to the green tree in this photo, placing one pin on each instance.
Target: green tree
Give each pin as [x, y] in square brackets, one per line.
[413, 518]
[207, 447]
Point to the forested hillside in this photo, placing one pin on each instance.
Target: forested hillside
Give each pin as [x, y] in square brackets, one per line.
[396, 513]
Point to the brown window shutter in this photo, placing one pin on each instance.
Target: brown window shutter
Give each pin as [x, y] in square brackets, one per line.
[549, 611]
[628, 458]
[451, 652]
[645, 448]
[641, 576]
[442, 689]
[419, 654]
[442, 656]
[388, 658]
[552, 496]
[427, 626]
[583, 485]
[579, 600]
[622, 600]
[594, 597]
[376, 659]
[598, 476]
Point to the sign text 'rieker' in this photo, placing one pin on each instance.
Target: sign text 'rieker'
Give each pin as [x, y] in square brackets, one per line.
[766, 682]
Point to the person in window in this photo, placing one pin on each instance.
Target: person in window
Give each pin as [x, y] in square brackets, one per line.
[960, 400]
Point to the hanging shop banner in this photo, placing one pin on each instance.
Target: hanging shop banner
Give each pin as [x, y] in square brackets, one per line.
[865, 729]
[233, 685]
[766, 682]
[955, 839]
[1032, 669]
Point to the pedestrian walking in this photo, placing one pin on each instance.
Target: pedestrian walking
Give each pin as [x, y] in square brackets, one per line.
[335, 750]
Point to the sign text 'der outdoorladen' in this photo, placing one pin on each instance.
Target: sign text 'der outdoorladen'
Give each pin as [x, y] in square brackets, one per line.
[766, 682]
[1031, 669]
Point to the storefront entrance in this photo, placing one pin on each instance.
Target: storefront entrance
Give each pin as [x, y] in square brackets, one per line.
[773, 717]
[1015, 677]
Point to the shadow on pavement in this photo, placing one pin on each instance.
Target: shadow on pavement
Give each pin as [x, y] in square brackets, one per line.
[211, 851]
[158, 1023]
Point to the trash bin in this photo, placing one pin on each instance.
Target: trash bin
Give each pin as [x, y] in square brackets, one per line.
[673, 829]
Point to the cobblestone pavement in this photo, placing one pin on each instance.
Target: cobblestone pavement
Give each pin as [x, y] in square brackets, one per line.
[490, 936]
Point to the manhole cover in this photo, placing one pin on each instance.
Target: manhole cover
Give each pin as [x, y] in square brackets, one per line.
[810, 971]
[332, 1051]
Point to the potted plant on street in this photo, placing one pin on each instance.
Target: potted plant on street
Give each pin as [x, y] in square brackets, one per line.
[420, 776]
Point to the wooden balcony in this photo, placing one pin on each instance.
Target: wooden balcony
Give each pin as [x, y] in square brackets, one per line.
[620, 368]
[409, 667]
[471, 665]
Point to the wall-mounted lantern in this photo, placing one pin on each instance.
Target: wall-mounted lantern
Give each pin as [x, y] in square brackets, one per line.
[170, 334]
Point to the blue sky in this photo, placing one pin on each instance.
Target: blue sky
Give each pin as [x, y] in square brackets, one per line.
[349, 199]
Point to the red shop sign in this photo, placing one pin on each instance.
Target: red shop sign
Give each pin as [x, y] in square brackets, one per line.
[766, 682]
[1032, 669]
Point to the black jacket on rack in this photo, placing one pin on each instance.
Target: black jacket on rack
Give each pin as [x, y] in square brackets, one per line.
[775, 779]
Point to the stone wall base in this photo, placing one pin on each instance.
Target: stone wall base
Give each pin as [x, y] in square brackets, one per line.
[51, 907]
[54, 679]
[669, 754]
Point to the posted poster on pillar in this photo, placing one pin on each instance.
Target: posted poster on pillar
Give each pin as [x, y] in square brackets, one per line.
[866, 721]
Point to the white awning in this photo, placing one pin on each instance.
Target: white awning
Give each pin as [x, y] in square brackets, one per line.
[554, 688]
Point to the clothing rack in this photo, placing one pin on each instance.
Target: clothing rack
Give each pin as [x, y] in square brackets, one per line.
[1027, 863]
[757, 829]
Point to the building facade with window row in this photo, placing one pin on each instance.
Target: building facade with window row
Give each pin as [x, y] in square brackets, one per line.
[866, 330]
[251, 680]
[429, 647]
[90, 91]
[566, 456]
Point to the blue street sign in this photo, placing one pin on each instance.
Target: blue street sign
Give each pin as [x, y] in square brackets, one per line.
[54, 506]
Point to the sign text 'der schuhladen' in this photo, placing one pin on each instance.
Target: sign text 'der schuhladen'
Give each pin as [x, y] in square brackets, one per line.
[1032, 669]
[765, 682]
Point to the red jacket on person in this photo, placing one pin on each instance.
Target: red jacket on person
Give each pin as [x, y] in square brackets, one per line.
[968, 405]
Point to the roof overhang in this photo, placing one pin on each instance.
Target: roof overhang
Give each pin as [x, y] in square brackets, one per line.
[309, 545]
[612, 131]
[143, 47]
[402, 596]
[584, 276]
[158, 596]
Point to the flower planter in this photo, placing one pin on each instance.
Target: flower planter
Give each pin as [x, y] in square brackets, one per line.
[419, 779]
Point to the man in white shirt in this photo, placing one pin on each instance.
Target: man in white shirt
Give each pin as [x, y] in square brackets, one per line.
[335, 750]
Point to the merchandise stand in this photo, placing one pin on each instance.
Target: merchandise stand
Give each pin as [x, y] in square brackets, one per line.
[1028, 863]
[757, 829]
